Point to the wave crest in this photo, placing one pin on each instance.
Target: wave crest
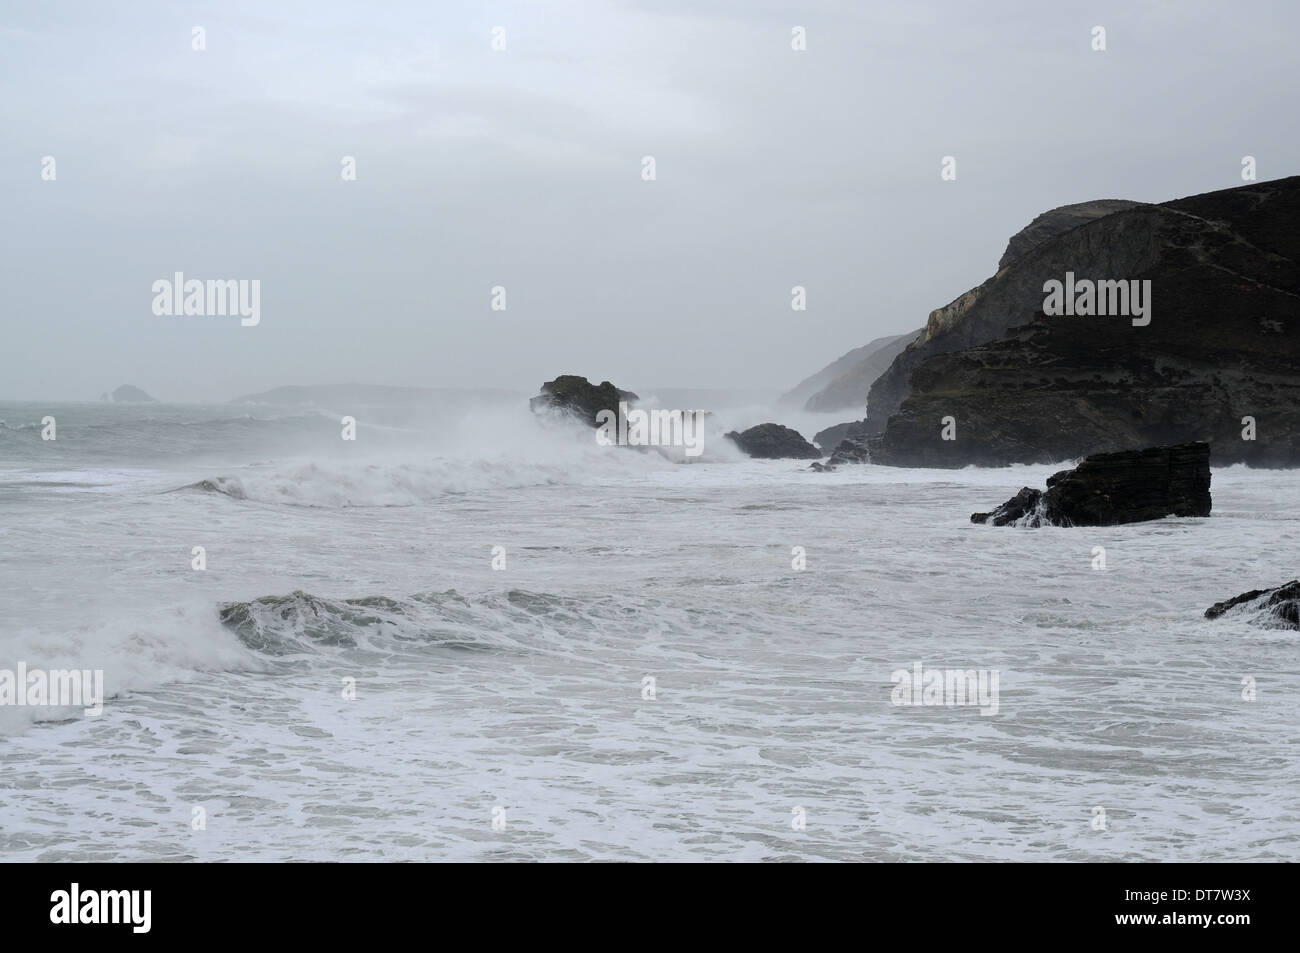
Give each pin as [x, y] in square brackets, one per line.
[302, 623]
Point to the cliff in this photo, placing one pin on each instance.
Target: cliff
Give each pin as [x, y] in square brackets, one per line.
[1222, 345]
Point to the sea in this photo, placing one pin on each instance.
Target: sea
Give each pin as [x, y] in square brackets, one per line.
[477, 635]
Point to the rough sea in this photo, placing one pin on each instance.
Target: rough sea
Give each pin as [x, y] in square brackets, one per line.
[488, 638]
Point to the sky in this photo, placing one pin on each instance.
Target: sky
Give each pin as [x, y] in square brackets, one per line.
[522, 168]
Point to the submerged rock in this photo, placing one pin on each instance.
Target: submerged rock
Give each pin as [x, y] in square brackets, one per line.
[774, 442]
[579, 397]
[1110, 488]
[1277, 608]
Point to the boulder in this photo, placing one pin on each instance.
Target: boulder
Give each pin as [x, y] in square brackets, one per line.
[1111, 488]
[579, 397]
[1277, 608]
[774, 442]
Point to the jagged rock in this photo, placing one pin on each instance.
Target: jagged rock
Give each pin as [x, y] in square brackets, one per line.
[774, 442]
[849, 451]
[1277, 608]
[126, 394]
[579, 397]
[1223, 344]
[1023, 504]
[1111, 488]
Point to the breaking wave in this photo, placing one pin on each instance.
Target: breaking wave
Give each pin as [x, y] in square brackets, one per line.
[300, 623]
[137, 648]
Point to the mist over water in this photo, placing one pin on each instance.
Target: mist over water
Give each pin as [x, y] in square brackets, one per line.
[522, 687]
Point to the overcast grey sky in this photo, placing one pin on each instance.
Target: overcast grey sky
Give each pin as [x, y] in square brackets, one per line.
[522, 168]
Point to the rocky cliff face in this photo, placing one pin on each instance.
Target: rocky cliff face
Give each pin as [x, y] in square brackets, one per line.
[1105, 248]
[848, 381]
[1057, 222]
[1223, 344]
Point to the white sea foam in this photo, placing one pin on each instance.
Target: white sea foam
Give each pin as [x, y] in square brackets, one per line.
[138, 647]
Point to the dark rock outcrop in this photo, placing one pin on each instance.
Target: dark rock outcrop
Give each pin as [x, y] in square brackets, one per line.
[579, 397]
[126, 394]
[1024, 506]
[1111, 488]
[1222, 344]
[849, 451]
[1272, 608]
[1010, 298]
[1013, 296]
[833, 436]
[774, 442]
[859, 431]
